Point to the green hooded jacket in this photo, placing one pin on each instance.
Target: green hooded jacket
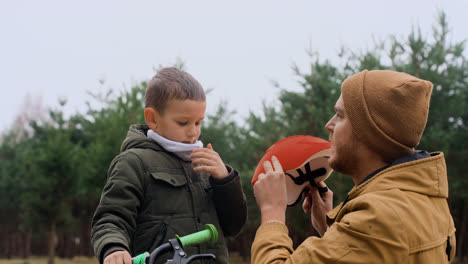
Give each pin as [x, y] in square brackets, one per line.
[151, 195]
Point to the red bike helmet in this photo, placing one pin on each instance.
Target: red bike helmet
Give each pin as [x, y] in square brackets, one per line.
[304, 159]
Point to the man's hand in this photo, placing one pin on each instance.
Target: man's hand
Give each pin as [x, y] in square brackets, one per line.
[209, 161]
[270, 192]
[118, 257]
[318, 205]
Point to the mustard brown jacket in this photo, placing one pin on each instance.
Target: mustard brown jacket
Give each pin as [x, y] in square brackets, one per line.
[151, 195]
[400, 215]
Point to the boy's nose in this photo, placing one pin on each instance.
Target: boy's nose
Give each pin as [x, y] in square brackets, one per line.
[192, 131]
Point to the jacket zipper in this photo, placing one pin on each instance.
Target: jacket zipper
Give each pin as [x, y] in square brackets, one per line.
[162, 228]
[449, 248]
[189, 184]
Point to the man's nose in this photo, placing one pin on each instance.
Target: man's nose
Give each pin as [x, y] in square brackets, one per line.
[329, 126]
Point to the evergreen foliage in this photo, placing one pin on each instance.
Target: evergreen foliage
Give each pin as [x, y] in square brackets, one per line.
[51, 178]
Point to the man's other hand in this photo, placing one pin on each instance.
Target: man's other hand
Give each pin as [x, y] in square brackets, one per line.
[318, 205]
[270, 192]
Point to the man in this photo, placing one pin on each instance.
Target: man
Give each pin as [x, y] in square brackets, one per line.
[397, 211]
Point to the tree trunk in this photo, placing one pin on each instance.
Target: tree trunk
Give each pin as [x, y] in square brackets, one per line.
[9, 244]
[85, 237]
[27, 244]
[14, 244]
[60, 250]
[462, 233]
[52, 241]
[68, 246]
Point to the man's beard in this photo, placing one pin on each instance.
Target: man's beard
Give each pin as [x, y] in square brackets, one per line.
[345, 159]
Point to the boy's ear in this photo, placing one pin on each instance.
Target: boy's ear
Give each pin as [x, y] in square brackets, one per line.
[150, 118]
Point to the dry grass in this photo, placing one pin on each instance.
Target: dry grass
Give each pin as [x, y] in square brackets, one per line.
[43, 260]
[234, 259]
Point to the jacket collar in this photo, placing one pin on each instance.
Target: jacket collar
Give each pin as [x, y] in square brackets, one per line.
[136, 138]
[422, 175]
[418, 154]
[426, 176]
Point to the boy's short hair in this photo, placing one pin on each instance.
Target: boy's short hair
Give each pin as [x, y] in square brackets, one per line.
[172, 83]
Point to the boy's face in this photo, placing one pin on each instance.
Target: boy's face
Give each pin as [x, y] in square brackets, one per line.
[180, 121]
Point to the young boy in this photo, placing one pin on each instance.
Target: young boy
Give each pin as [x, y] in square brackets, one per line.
[164, 183]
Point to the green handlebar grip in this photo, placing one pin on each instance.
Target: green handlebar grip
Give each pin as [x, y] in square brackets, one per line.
[210, 234]
[140, 259]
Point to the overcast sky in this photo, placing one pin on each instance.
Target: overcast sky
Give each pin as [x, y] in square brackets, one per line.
[61, 49]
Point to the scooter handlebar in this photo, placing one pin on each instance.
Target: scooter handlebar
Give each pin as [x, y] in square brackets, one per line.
[210, 234]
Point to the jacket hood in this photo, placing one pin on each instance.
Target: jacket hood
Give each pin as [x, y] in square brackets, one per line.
[426, 176]
[136, 138]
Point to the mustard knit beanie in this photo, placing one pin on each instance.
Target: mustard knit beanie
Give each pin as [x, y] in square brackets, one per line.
[387, 110]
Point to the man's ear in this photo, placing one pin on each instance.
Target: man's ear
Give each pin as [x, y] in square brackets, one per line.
[151, 117]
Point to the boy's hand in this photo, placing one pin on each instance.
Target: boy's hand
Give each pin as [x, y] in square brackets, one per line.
[118, 257]
[209, 161]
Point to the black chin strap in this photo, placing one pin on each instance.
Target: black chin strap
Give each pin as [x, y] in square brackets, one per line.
[308, 175]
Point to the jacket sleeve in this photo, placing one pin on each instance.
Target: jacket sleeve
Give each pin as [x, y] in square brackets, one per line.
[230, 202]
[360, 237]
[114, 220]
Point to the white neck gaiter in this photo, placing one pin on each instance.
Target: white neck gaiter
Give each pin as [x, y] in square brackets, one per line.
[182, 150]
